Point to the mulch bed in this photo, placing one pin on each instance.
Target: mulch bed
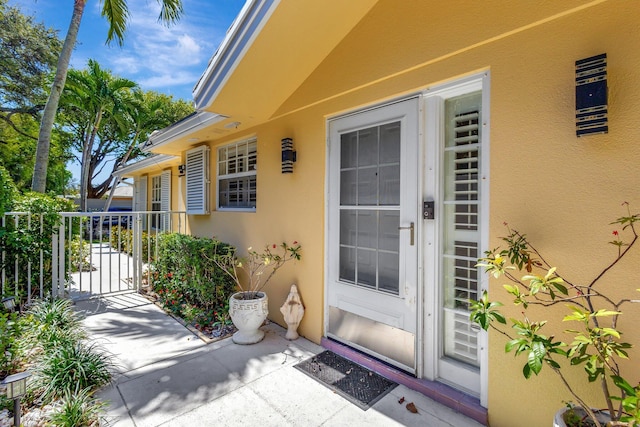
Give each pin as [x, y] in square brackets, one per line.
[207, 334]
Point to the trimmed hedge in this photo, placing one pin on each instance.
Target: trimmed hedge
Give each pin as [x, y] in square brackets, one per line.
[187, 280]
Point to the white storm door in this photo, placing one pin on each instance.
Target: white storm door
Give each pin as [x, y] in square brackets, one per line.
[372, 231]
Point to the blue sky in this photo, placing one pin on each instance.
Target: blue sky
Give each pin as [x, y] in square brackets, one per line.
[168, 60]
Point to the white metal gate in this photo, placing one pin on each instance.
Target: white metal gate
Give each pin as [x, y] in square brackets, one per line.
[91, 254]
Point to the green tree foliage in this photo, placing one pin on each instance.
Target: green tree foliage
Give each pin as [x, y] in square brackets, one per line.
[106, 117]
[117, 14]
[8, 191]
[93, 98]
[28, 54]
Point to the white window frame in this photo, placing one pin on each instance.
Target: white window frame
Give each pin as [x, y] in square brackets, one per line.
[197, 180]
[156, 193]
[237, 167]
[161, 198]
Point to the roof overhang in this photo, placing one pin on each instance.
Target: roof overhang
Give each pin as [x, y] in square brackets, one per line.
[151, 165]
[270, 50]
[192, 128]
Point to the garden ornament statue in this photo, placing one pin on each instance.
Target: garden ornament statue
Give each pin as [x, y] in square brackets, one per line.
[293, 311]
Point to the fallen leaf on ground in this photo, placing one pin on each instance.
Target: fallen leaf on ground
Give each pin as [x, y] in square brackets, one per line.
[401, 401]
[412, 408]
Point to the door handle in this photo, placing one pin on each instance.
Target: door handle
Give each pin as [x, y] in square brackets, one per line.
[411, 228]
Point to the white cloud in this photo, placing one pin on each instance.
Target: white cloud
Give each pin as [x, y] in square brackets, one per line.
[160, 57]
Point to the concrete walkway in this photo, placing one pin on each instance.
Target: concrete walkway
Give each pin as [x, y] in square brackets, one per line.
[169, 377]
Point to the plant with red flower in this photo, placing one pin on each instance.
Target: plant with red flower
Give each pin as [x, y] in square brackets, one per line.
[596, 344]
[253, 272]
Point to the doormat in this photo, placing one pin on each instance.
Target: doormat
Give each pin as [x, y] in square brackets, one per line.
[355, 383]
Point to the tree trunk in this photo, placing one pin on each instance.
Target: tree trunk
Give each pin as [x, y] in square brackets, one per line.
[39, 180]
[85, 161]
[118, 178]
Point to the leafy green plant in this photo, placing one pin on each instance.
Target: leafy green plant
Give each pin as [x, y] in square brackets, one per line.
[596, 344]
[79, 255]
[121, 239]
[8, 191]
[48, 324]
[25, 237]
[9, 349]
[71, 367]
[78, 409]
[256, 268]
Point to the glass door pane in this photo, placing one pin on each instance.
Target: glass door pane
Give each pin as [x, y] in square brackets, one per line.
[370, 207]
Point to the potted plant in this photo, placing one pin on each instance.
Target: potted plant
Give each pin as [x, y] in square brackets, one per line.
[596, 345]
[249, 307]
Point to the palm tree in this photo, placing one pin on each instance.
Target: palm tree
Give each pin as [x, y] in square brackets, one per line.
[117, 14]
[93, 95]
[145, 116]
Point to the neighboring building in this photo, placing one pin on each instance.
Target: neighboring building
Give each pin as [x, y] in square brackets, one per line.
[464, 111]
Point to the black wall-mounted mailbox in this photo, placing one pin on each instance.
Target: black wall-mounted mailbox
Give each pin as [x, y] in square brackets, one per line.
[591, 95]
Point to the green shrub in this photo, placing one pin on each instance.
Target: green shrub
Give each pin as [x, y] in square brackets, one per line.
[121, 239]
[79, 255]
[78, 409]
[69, 368]
[48, 324]
[187, 279]
[9, 349]
[25, 239]
[8, 191]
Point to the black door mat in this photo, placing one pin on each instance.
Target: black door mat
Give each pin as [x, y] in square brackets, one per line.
[355, 383]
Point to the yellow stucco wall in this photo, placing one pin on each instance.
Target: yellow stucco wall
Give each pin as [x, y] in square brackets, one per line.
[562, 191]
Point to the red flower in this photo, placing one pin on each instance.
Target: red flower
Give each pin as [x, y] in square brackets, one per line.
[295, 242]
[274, 246]
[615, 232]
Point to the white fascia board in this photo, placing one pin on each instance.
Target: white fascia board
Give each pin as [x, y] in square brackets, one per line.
[182, 128]
[157, 159]
[243, 31]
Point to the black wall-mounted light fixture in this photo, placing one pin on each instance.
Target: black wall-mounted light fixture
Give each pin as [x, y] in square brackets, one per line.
[182, 169]
[288, 155]
[591, 95]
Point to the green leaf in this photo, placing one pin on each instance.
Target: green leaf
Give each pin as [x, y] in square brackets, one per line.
[536, 356]
[611, 332]
[603, 312]
[526, 371]
[623, 384]
[518, 342]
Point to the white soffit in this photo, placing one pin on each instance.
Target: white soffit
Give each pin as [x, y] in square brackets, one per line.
[160, 161]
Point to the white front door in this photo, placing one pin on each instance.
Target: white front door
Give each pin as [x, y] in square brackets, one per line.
[399, 281]
[372, 231]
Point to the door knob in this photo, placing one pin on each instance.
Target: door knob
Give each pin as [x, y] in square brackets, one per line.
[411, 228]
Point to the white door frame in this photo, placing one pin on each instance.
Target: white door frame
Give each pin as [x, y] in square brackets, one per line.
[426, 231]
[431, 231]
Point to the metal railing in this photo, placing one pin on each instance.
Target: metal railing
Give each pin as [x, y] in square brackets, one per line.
[80, 254]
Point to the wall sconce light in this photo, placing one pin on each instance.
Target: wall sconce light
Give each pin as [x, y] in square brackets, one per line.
[591, 95]
[288, 155]
[182, 170]
[9, 303]
[16, 388]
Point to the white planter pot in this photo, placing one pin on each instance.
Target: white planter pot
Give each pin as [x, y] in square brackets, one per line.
[558, 420]
[248, 315]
